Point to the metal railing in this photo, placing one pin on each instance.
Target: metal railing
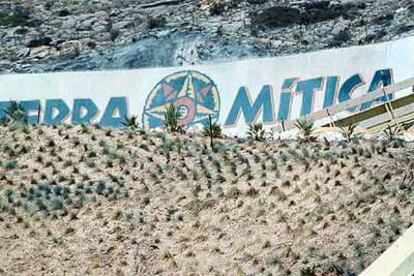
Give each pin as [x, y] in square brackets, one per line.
[331, 111]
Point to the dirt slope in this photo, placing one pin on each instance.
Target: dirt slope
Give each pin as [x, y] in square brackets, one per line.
[87, 201]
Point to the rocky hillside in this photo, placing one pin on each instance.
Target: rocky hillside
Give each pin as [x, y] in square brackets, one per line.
[78, 201]
[46, 35]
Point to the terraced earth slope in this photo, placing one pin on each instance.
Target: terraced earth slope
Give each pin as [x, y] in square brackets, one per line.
[77, 201]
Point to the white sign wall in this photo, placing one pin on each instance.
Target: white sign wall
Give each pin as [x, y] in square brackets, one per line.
[235, 93]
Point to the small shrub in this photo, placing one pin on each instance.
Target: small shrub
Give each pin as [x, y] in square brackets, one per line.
[131, 123]
[391, 133]
[171, 119]
[167, 148]
[234, 192]
[348, 131]
[214, 130]
[59, 240]
[305, 126]
[252, 192]
[307, 271]
[9, 164]
[256, 132]
[272, 260]
[117, 215]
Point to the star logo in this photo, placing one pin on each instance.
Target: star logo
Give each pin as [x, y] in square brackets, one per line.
[194, 95]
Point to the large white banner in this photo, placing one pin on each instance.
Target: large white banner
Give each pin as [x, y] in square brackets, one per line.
[235, 94]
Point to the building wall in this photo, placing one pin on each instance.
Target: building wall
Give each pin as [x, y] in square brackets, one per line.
[235, 93]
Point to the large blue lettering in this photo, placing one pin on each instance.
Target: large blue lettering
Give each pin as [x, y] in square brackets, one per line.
[349, 86]
[3, 108]
[27, 106]
[285, 103]
[31, 107]
[84, 110]
[308, 89]
[53, 106]
[330, 91]
[243, 104]
[110, 118]
[381, 78]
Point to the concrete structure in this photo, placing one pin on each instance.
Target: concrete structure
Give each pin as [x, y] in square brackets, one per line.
[398, 260]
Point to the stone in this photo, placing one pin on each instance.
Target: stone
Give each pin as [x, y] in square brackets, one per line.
[69, 49]
[101, 15]
[383, 19]
[55, 22]
[89, 43]
[22, 53]
[122, 25]
[86, 24]
[70, 23]
[100, 28]
[40, 52]
[372, 35]
[340, 38]
[103, 37]
[404, 28]
[113, 13]
[340, 27]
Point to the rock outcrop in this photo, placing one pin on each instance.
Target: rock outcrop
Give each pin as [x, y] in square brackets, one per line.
[42, 36]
